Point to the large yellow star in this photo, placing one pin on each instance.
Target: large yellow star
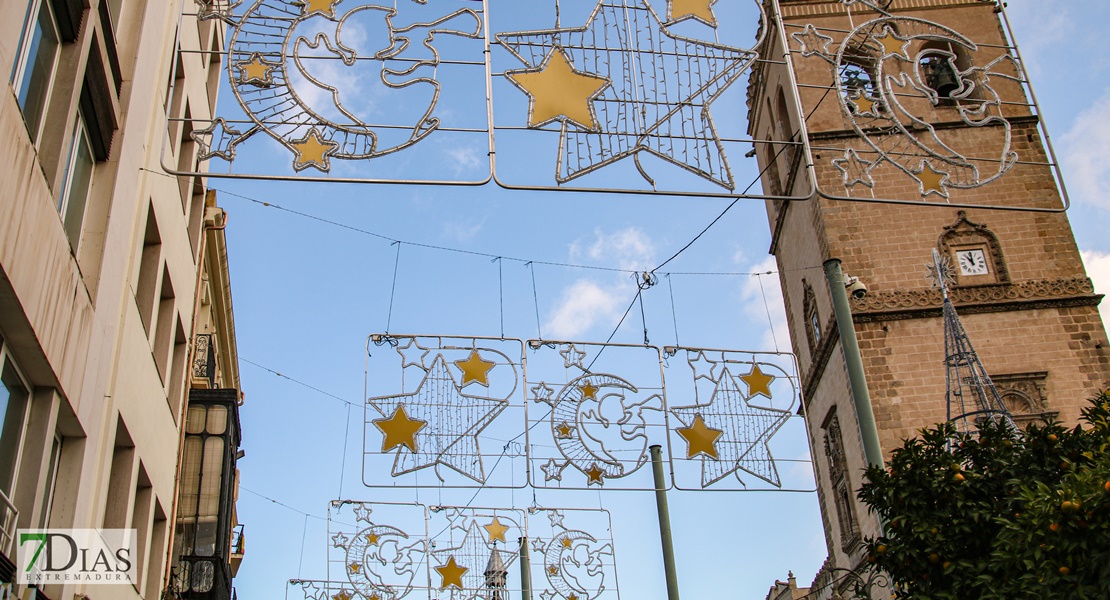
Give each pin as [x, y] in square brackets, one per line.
[594, 475]
[589, 390]
[342, 595]
[318, 7]
[553, 570]
[556, 90]
[354, 567]
[865, 105]
[932, 180]
[313, 151]
[451, 574]
[701, 10]
[700, 438]
[399, 430]
[372, 539]
[475, 368]
[567, 543]
[892, 44]
[758, 382]
[256, 70]
[564, 431]
[496, 530]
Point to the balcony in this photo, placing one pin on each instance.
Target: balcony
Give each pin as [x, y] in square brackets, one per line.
[236, 556]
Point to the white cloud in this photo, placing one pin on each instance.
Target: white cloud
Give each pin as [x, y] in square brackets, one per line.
[628, 248]
[1098, 269]
[754, 290]
[1086, 162]
[464, 231]
[1039, 27]
[587, 302]
[464, 159]
[582, 305]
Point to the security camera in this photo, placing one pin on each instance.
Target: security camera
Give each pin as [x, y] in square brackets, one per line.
[855, 287]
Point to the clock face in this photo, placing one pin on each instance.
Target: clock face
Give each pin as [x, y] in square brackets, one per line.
[972, 262]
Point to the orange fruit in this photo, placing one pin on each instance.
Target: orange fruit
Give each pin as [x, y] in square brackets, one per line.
[1065, 571]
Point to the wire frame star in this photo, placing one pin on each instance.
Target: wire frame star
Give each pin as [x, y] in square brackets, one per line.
[855, 169]
[661, 88]
[940, 272]
[218, 139]
[745, 430]
[813, 42]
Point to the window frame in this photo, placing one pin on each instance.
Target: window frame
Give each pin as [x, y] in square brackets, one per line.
[23, 56]
[6, 360]
[80, 134]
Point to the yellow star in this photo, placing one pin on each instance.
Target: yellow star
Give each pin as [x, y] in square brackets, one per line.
[564, 431]
[864, 104]
[700, 438]
[702, 10]
[319, 7]
[313, 151]
[556, 90]
[399, 430]
[594, 475]
[354, 567]
[474, 368]
[451, 573]
[892, 44]
[374, 596]
[932, 180]
[496, 530]
[567, 543]
[256, 70]
[342, 595]
[553, 570]
[758, 382]
[572, 597]
[589, 390]
[372, 539]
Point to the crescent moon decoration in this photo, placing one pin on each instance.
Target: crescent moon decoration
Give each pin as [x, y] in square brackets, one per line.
[270, 60]
[378, 562]
[577, 565]
[729, 432]
[890, 74]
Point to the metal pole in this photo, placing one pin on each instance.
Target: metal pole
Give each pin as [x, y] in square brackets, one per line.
[864, 414]
[525, 571]
[664, 522]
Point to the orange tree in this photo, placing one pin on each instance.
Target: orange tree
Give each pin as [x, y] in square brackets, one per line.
[1001, 514]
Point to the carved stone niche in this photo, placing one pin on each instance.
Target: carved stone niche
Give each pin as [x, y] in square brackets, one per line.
[1024, 395]
[812, 318]
[975, 253]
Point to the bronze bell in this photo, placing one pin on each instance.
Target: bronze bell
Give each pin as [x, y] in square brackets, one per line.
[943, 79]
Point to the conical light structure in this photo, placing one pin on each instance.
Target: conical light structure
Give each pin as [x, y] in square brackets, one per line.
[496, 576]
[971, 395]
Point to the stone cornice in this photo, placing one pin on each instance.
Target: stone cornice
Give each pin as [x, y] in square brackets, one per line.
[1025, 295]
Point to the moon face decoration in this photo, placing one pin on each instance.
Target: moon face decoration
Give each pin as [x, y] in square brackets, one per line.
[283, 72]
[892, 73]
[382, 562]
[599, 427]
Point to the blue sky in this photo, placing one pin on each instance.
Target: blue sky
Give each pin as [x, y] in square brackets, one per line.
[308, 292]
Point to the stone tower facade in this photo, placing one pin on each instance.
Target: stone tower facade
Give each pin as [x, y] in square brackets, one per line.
[1020, 286]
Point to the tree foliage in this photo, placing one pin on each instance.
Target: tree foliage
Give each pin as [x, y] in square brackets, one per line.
[1001, 514]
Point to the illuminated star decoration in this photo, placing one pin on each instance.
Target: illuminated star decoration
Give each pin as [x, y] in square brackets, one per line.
[556, 89]
[556, 518]
[553, 470]
[339, 540]
[699, 10]
[745, 429]
[412, 354]
[572, 357]
[475, 369]
[496, 530]
[892, 44]
[865, 105]
[354, 567]
[453, 420]
[362, 512]
[700, 438]
[318, 7]
[702, 366]
[932, 181]
[256, 71]
[342, 595]
[218, 139]
[855, 169]
[451, 574]
[216, 9]
[564, 431]
[313, 151]
[813, 43]
[595, 475]
[542, 393]
[643, 109]
[399, 430]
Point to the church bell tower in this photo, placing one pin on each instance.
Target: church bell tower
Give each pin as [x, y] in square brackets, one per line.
[922, 135]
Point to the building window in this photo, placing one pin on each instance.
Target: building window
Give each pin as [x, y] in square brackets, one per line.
[841, 487]
[78, 181]
[1025, 396]
[940, 64]
[37, 60]
[859, 82]
[14, 399]
[812, 318]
